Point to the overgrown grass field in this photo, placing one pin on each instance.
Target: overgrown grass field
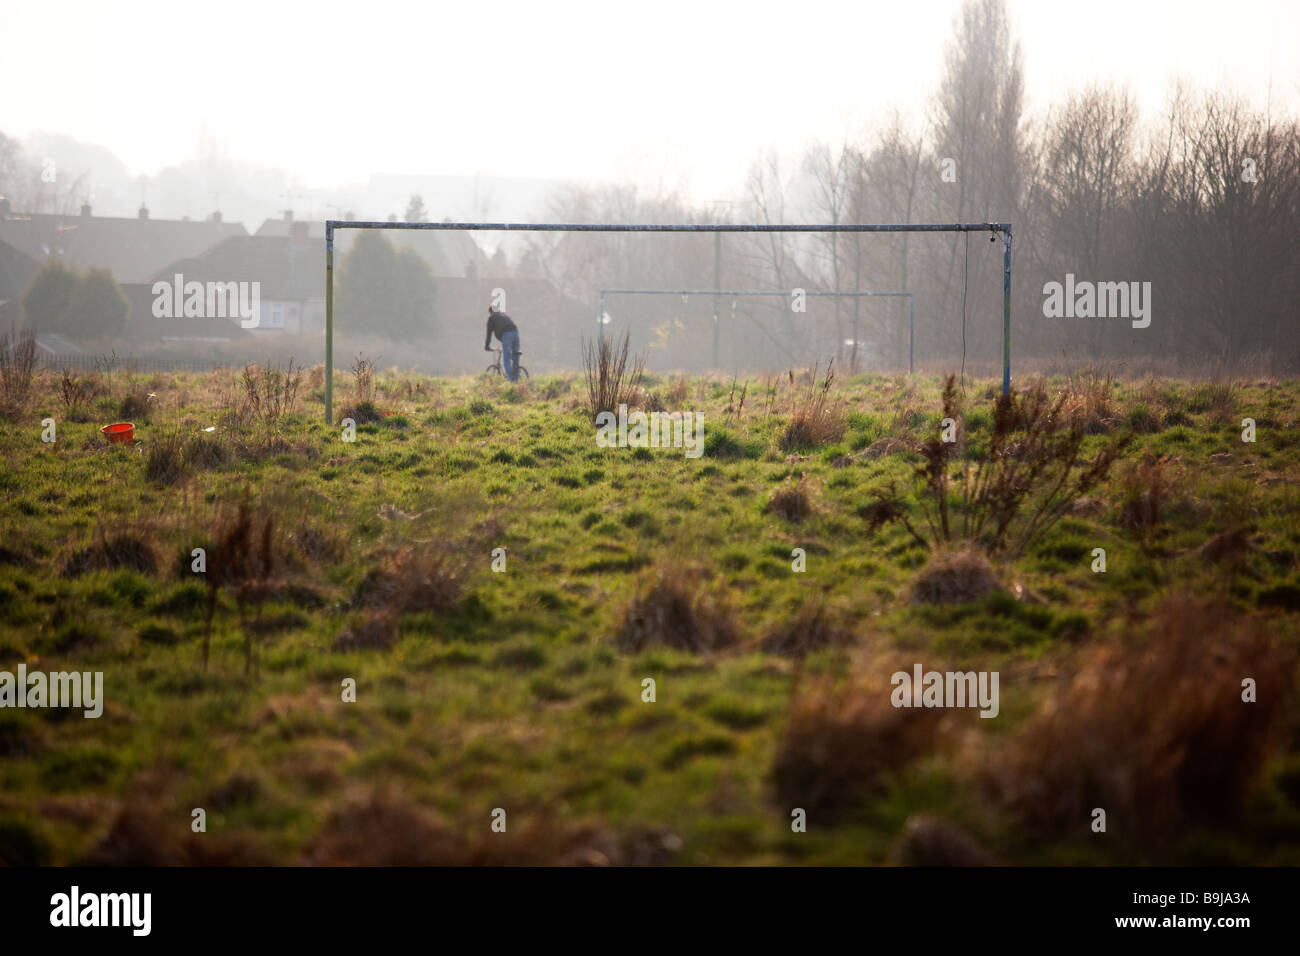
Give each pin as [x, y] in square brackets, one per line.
[523, 689]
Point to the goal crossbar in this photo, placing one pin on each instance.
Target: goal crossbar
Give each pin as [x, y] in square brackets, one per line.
[736, 293]
[332, 224]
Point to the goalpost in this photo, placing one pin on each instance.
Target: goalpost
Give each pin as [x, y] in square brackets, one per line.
[331, 224]
[736, 293]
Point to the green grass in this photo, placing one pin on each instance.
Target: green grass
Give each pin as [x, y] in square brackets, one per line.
[514, 694]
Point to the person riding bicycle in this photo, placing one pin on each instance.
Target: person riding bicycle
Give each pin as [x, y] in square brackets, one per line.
[507, 333]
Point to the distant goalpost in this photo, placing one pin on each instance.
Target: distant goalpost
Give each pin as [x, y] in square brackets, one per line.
[331, 224]
[737, 293]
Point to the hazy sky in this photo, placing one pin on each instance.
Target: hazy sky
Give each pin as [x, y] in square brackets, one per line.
[663, 92]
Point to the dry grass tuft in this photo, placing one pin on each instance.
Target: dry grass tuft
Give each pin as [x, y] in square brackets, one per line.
[675, 609]
[818, 418]
[1145, 490]
[841, 744]
[141, 835]
[376, 630]
[929, 840]
[122, 550]
[384, 828]
[955, 577]
[1153, 730]
[811, 629]
[1090, 400]
[242, 559]
[17, 366]
[413, 579]
[165, 462]
[791, 502]
[135, 407]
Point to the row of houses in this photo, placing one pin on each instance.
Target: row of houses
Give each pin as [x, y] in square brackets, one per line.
[285, 256]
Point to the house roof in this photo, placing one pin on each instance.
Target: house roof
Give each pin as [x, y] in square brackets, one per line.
[132, 249]
[287, 270]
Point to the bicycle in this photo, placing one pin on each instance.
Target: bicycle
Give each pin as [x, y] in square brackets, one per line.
[496, 367]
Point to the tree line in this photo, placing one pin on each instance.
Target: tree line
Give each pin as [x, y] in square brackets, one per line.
[1202, 202]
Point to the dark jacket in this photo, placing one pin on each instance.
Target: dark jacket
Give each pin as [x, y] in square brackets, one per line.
[498, 324]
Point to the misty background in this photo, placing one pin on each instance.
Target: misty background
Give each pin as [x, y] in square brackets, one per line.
[1136, 142]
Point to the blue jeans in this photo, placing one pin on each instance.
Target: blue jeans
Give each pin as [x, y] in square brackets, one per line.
[510, 354]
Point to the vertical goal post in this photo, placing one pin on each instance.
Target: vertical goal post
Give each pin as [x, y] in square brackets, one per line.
[331, 224]
[738, 293]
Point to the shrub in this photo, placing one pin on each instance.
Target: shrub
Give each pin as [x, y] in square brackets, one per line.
[1018, 487]
[363, 380]
[612, 378]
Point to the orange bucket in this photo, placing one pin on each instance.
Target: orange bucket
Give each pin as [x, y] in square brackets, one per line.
[121, 433]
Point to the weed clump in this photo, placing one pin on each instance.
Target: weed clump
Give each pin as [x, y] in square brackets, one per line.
[613, 377]
[1020, 484]
[17, 364]
[1155, 730]
[1145, 490]
[955, 577]
[810, 630]
[841, 744]
[123, 550]
[414, 579]
[791, 502]
[164, 461]
[377, 630]
[135, 407]
[675, 610]
[818, 419]
[242, 560]
[1090, 399]
[363, 413]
